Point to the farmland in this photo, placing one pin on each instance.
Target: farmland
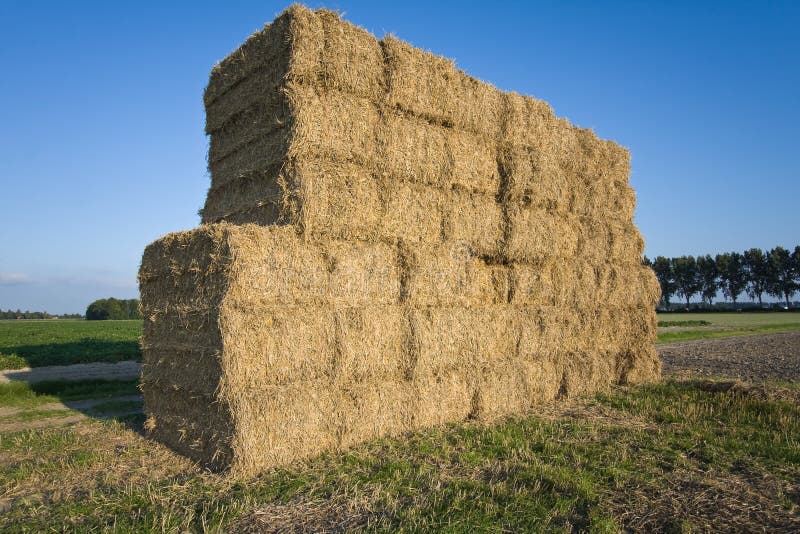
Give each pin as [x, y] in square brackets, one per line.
[33, 343]
[682, 455]
[684, 327]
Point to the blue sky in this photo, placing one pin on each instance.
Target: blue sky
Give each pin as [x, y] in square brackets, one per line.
[101, 124]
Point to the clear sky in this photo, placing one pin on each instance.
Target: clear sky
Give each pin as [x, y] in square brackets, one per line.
[101, 123]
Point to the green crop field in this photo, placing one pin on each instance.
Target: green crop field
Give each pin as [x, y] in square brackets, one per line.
[675, 327]
[34, 343]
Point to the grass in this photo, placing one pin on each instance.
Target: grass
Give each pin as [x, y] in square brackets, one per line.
[665, 324]
[113, 406]
[24, 395]
[719, 325]
[12, 361]
[32, 343]
[33, 415]
[664, 457]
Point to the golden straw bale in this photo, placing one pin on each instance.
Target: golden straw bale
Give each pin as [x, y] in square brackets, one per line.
[189, 367]
[264, 153]
[412, 212]
[281, 345]
[412, 149]
[276, 425]
[258, 99]
[339, 200]
[267, 116]
[371, 344]
[638, 364]
[527, 122]
[627, 244]
[448, 275]
[370, 410]
[449, 338]
[584, 373]
[237, 200]
[555, 282]
[273, 265]
[442, 398]
[431, 87]
[331, 125]
[536, 234]
[192, 328]
[351, 58]
[276, 345]
[191, 424]
[313, 47]
[533, 179]
[268, 47]
[474, 221]
[615, 241]
[515, 385]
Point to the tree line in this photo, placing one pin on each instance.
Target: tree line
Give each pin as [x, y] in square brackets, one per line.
[112, 308]
[19, 314]
[755, 272]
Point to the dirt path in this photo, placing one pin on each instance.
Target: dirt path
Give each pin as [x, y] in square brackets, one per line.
[753, 358]
[127, 370]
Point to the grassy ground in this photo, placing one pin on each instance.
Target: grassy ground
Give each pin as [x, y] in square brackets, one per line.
[32, 343]
[675, 327]
[23, 395]
[670, 457]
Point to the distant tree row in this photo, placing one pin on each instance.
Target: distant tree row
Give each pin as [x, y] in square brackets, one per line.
[11, 314]
[112, 308]
[755, 272]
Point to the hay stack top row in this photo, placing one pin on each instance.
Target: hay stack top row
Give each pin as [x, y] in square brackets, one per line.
[317, 123]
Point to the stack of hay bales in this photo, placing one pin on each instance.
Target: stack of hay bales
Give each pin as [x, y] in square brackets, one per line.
[388, 244]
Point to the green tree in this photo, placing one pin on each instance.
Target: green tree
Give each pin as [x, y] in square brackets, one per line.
[782, 273]
[732, 275]
[112, 308]
[666, 277]
[709, 278]
[687, 277]
[757, 269]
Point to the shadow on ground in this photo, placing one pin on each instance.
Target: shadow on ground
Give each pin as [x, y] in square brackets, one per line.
[54, 403]
[86, 350]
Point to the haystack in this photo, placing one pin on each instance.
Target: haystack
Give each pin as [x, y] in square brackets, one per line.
[387, 244]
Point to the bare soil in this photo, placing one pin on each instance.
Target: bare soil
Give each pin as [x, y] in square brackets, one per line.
[756, 358]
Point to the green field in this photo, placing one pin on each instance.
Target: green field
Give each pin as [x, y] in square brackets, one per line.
[670, 457]
[34, 343]
[685, 327]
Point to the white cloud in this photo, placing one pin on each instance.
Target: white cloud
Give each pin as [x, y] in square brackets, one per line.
[11, 279]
